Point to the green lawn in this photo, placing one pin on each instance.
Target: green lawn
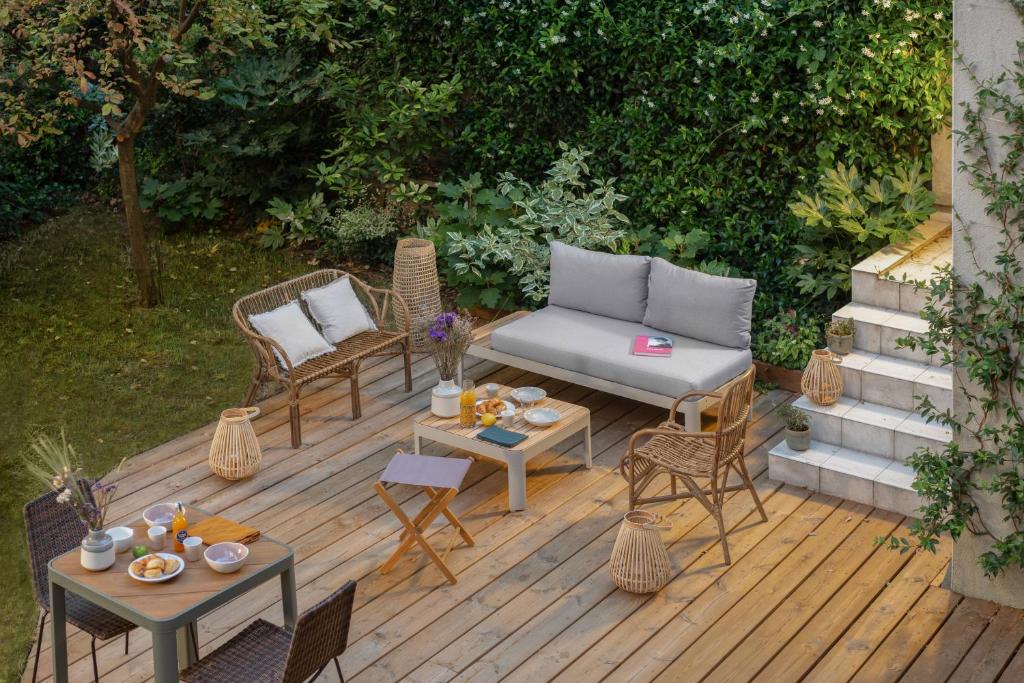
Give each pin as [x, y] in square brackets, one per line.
[119, 379]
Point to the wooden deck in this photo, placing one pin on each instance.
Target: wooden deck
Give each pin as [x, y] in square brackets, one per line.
[807, 595]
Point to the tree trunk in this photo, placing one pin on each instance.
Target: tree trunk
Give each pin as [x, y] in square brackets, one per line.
[141, 265]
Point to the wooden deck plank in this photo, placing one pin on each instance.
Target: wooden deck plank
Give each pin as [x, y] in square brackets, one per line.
[993, 650]
[534, 600]
[847, 572]
[895, 655]
[857, 643]
[952, 642]
[747, 609]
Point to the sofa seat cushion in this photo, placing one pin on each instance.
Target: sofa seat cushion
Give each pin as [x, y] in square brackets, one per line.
[600, 347]
[614, 285]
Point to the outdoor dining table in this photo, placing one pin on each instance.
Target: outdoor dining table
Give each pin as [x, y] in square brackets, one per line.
[166, 609]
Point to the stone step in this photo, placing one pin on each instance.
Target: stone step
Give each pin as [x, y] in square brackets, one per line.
[876, 330]
[848, 473]
[873, 428]
[886, 278]
[895, 382]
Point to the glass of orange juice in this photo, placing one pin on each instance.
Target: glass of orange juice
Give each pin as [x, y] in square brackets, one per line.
[467, 405]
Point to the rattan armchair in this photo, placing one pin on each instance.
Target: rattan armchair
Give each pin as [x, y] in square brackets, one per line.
[54, 529]
[265, 653]
[391, 338]
[688, 456]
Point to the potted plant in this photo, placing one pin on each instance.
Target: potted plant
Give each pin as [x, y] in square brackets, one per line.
[798, 428]
[839, 335]
[447, 337]
[56, 464]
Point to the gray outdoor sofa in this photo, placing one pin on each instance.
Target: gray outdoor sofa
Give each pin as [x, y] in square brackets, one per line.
[599, 303]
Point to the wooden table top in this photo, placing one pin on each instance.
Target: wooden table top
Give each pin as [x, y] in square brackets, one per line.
[160, 601]
[571, 414]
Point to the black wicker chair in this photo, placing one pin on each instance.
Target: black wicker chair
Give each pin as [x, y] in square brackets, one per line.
[265, 653]
[54, 529]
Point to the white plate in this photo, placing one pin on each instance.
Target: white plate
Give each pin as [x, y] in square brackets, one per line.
[508, 405]
[529, 395]
[542, 417]
[165, 577]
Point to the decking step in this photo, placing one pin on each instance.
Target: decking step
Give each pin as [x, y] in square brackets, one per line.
[880, 430]
[895, 382]
[877, 329]
[848, 473]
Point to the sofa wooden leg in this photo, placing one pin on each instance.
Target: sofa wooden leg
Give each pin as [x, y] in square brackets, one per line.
[293, 414]
[407, 353]
[357, 411]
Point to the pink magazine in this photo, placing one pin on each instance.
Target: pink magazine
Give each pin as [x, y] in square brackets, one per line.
[645, 345]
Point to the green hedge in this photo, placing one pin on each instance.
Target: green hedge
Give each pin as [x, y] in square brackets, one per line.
[712, 114]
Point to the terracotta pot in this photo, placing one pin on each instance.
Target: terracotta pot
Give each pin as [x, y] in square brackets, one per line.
[798, 441]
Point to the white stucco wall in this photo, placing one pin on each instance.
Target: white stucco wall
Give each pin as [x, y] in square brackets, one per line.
[986, 33]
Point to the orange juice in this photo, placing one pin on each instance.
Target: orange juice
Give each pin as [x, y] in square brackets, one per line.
[179, 528]
[467, 405]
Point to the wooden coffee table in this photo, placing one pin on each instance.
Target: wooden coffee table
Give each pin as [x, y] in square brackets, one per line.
[446, 430]
[166, 609]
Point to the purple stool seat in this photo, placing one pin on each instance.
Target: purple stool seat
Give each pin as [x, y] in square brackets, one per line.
[426, 470]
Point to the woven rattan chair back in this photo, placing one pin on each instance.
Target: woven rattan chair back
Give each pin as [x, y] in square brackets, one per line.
[320, 635]
[733, 416]
[53, 529]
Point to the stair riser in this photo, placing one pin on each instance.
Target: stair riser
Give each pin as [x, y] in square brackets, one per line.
[892, 391]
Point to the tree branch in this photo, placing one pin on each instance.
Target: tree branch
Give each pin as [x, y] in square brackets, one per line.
[186, 24]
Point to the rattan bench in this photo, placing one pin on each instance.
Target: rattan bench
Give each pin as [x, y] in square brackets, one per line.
[391, 338]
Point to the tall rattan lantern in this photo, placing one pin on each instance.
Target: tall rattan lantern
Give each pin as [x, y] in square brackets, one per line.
[639, 562]
[235, 452]
[415, 280]
[822, 382]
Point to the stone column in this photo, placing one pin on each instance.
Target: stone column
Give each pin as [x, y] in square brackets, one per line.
[987, 32]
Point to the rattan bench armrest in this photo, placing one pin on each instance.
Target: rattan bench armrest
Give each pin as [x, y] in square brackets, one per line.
[269, 356]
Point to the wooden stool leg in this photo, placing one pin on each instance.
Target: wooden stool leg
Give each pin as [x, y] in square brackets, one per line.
[415, 535]
[452, 519]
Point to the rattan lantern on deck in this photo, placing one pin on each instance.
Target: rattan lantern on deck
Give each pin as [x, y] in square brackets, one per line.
[415, 279]
[235, 452]
[639, 562]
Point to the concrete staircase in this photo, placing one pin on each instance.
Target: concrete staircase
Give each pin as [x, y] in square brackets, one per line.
[859, 444]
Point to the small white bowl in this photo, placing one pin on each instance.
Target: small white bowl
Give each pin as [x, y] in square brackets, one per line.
[542, 417]
[160, 514]
[226, 558]
[123, 536]
[527, 396]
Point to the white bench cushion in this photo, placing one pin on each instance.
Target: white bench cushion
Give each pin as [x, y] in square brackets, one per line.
[600, 347]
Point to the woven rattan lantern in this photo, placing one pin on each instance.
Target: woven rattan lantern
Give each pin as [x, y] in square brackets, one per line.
[822, 382]
[235, 452]
[415, 280]
[640, 561]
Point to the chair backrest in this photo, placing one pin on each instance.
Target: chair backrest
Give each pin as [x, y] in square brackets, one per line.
[53, 529]
[320, 635]
[733, 413]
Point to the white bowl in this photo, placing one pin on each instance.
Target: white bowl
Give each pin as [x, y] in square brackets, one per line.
[160, 514]
[123, 536]
[226, 558]
[542, 417]
[529, 395]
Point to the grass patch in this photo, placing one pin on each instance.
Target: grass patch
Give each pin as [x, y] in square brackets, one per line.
[118, 379]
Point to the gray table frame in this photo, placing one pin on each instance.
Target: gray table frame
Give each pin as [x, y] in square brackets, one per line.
[172, 648]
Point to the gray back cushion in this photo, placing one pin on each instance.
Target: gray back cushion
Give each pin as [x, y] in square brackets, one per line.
[603, 284]
[700, 306]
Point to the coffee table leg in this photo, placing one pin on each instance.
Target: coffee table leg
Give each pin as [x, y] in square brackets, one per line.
[516, 481]
[587, 444]
[416, 444]
[289, 604]
[165, 656]
[59, 633]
